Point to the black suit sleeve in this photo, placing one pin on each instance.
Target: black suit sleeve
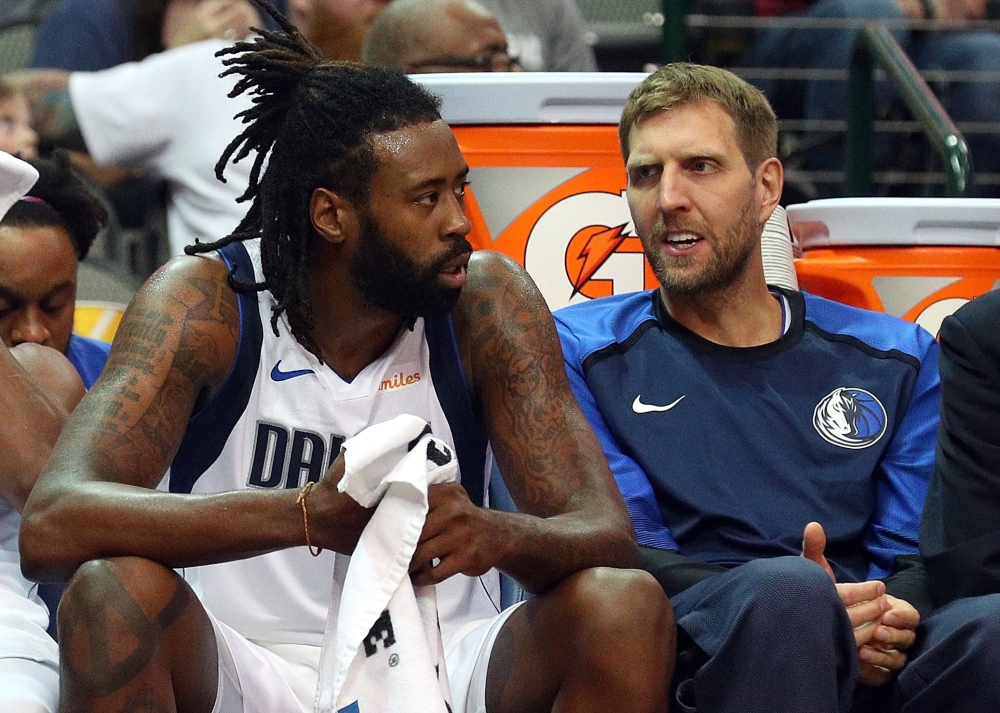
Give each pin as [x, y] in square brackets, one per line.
[908, 582]
[960, 535]
[674, 571]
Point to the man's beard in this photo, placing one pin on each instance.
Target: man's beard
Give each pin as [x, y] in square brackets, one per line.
[728, 259]
[388, 279]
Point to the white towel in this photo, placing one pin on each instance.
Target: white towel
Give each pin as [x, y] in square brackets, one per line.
[16, 179]
[777, 247]
[382, 650]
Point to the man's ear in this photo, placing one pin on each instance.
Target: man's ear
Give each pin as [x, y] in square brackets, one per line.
[770, 179]
[333, 217]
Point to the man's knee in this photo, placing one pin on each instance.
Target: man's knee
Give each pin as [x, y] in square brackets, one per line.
[128, 621]
[604, 604]
[125, 602]
[787, 586]
[115, 585]
[975, 624]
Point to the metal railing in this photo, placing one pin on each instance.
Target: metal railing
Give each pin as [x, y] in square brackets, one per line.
[875, 50]
[675, 45]
[876, 47]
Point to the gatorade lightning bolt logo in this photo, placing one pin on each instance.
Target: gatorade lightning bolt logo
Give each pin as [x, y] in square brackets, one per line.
[584, 246]
[601, 244]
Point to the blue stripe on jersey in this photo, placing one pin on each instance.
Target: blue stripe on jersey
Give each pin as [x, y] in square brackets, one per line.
[455, 397]
[210, 426]
[877, 331]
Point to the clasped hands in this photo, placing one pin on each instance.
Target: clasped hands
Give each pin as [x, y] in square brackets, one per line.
[884, 626]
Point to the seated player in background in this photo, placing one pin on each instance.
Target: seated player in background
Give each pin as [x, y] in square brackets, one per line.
[773, 447]
[42, 239]
[38, 387]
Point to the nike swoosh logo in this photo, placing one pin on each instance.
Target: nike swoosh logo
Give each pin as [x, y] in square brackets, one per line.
[639, 407]
[279, 375]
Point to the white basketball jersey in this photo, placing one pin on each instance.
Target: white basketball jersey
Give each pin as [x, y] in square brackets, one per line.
[279, 421]
[23, 616]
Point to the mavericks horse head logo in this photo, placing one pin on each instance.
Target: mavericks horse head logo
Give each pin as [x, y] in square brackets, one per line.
[850, 418]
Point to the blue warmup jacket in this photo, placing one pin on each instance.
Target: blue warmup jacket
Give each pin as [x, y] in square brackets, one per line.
[725, 454]
[88, 356]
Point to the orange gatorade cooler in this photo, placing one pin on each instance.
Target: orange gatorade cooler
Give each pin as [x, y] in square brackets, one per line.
[916, 258]
[547, 183]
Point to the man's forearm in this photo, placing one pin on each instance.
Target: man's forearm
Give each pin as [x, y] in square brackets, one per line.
[98, 520]
[63, 528]
[540, 552]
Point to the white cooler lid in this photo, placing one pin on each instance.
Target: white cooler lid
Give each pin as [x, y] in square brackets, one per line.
[896, 221]
[531, 97]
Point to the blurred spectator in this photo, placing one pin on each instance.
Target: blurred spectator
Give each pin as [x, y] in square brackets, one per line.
[336, 27]
[545, 35]
[953, 50]
[17, 137]
[438, 36]
[42, 238]
[89, 35]
[170, 116]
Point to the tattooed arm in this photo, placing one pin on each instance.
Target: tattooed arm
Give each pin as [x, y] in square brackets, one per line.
[96, 496]
[572, 515]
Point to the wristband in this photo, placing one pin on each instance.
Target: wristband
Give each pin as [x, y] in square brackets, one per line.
[301, 500]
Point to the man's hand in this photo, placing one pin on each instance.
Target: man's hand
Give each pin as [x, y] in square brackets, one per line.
[883, 625]
[457, 534]
[218, 19]
[814, 546]
[336, 520]
[884, 654]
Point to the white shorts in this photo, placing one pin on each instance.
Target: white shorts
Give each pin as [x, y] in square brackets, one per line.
[28, 686]
[282, 678]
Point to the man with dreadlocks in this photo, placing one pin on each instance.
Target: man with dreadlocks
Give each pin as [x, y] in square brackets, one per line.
[347, 295]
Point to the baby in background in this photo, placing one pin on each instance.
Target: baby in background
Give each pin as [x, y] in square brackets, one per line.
[17, 136]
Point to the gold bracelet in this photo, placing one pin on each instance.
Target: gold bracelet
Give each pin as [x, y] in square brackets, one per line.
[301, 500]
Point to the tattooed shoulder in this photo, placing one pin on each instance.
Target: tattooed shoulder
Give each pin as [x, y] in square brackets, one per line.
[177, 341]
[511, 351]
[499, 295]
[186, 319]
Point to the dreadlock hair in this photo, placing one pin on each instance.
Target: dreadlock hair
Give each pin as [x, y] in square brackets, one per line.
[312, 120]
[64, 199]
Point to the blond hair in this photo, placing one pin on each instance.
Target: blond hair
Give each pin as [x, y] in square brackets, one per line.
[682, 83]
